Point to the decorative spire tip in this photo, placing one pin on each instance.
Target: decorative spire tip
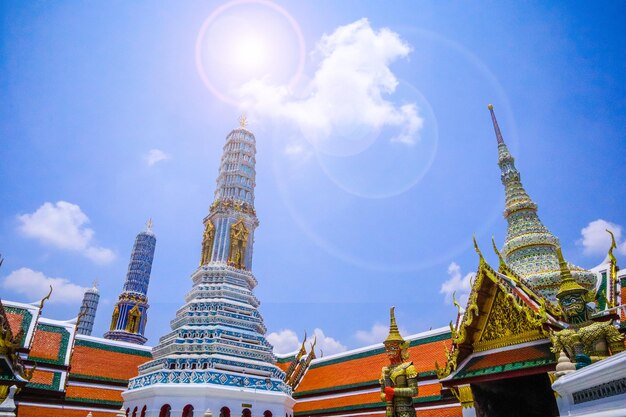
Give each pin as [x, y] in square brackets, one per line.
[243, 121]
[149, 225]
[496, 128]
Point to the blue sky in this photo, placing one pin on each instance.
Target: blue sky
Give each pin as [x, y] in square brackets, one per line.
[353, 219]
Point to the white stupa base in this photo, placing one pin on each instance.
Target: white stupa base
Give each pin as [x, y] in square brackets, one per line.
[205, 397]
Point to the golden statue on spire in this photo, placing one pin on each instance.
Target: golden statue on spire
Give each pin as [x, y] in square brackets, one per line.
[243, 120]
[398, 381]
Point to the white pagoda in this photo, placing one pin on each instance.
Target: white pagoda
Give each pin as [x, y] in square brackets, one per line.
[216, 360]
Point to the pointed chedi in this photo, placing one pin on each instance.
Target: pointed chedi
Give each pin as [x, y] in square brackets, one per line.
[130, 314]
[88, 310]
[216, 354]
[530, 250]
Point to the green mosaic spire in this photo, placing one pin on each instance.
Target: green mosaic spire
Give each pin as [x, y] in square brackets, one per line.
[530, 249]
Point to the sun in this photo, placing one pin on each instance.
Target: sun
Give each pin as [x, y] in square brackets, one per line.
[247, 40]
[250, 54]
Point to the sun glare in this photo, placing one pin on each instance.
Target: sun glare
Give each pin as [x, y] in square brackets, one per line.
[250, 54]
[247, 40]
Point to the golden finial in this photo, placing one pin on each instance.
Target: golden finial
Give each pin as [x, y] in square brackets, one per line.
[568, 284]
[243, 121]
[394, 334]
[456, 303]
[43, 300]
[476, 248]
[495, 249]
[490, 106]
[149, 225]
[613, 245]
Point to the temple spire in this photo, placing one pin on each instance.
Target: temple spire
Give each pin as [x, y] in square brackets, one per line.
[128, 321]
[88, 309]
[530, 250]
[217, 340]
[495, 125]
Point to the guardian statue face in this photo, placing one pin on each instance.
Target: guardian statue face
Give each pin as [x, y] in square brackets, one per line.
[394, 352]
[573, 306]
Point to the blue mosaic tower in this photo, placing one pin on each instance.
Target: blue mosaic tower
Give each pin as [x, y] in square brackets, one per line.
[216, 356]
[88, 310]
[128, 322]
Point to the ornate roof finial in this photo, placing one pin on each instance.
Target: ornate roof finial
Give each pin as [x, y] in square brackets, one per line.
[613, 245]
[394, 334]
[495, 125]
[149, 225]
[612, 300]
[476, 248]
[495, 249]
[568, 285]
[243, 120]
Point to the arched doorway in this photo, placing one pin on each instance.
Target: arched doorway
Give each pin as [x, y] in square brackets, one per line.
[246, 412]
[135, 412]
[267, 413]
[165, 411]
[224, 412]
[143, 411]
[188, 411]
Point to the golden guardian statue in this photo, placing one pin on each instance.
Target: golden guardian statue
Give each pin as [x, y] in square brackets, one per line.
[398, 381]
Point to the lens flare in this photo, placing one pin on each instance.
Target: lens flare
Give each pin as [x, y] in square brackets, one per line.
[246, 40]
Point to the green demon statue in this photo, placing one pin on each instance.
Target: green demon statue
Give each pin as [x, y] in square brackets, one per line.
[398, 381]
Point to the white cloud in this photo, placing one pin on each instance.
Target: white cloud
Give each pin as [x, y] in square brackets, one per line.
[377, 334]
[327, 344]
[457, 283]
[348, 89]
[286, 341]
[155, 155]
[62, 225]
[35, 285]
[596, 241]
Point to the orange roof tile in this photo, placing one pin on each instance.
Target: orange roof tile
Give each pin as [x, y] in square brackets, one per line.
[42, 377]
[368, 368]
[46, 345]
[92, 393]
[105, 363]
[33, 411]
[359, 399]
[349, 400]
[509, 356]
[15, 322]
[283, 365]
[428, 390]
[454, 411]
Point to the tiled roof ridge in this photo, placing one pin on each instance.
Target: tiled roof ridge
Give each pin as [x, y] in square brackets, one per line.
[113, 342]
[412, 338]
[286, 356]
